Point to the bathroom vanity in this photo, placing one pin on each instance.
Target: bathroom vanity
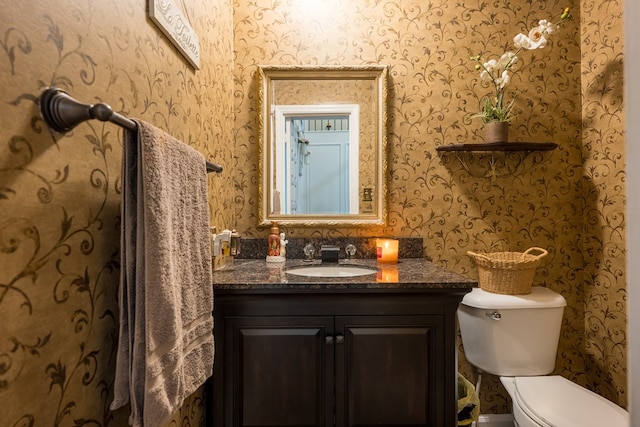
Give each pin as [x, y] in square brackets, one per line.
[377, 349]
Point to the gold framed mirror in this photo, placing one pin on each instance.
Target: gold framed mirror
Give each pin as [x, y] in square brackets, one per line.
[322, 145]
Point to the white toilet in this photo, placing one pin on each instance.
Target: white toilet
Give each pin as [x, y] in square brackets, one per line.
[516, 338]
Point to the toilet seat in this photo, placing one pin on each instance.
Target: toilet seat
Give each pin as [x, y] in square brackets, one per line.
[554, 401]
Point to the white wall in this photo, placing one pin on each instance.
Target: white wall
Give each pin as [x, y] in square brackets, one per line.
[632, 107]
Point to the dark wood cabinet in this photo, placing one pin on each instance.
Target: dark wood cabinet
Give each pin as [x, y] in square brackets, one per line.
[334, 359]
[384, 370]
[279, 371]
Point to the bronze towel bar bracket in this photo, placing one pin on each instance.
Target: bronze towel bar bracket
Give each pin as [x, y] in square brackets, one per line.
[63, 113]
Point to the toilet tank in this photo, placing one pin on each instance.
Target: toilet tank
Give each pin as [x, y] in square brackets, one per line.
[511, 335]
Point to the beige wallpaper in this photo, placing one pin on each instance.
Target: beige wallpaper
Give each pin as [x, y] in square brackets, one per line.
[60, 195]
[568, 201]
[604, 185]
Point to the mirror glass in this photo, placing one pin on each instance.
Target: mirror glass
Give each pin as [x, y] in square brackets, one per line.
[322, 145]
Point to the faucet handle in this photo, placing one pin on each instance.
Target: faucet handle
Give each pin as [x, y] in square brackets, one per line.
[309, 251]
[350, 249]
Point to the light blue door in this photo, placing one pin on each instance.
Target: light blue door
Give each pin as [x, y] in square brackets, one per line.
[324, 180]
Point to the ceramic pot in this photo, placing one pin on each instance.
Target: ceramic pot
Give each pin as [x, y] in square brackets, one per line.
[496, 132]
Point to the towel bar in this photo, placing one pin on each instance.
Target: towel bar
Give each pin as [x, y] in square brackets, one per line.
[63, 113]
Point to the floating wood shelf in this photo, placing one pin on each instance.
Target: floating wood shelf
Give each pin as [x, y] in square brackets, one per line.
[514, 155]
[499, 146]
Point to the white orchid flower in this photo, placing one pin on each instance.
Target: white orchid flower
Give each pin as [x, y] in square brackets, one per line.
[496, 108]
[490, 65]
[502, 81]
[521, 41]
[547, 27]
[508, 60]
[487, 70]
[538, 40]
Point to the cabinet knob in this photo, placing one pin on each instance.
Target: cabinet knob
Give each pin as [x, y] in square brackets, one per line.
[339, 339]
[328, 339]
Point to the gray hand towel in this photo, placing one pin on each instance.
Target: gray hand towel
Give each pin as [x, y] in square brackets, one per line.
[165, 348]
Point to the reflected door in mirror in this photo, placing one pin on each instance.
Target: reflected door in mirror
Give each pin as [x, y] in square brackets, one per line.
[306, 177]
[321, 177]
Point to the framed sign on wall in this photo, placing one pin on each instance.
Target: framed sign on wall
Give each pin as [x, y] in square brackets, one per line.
[169, 18]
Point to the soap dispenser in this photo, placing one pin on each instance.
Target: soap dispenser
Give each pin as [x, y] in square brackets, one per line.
[273, 241]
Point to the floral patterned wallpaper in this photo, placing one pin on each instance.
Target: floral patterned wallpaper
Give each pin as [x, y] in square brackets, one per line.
[60, 194]
[569, 201]
[603, 187]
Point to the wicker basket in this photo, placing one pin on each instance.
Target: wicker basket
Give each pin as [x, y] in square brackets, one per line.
[507, 272]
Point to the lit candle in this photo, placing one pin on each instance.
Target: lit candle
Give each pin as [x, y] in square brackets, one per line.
[387, 250]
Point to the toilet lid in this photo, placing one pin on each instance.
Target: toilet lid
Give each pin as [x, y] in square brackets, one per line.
[538, 298]
[555, 401]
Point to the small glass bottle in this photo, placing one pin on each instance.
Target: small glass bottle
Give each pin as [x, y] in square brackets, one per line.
[274, 240]
[235, 243]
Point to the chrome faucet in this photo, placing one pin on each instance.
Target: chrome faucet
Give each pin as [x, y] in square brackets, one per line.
[329, 253]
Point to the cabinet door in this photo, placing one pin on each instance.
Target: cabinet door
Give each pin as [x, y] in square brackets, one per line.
[279, 371]
[389, 370]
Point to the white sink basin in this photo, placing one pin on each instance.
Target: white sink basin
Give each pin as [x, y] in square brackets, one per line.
[331, 271]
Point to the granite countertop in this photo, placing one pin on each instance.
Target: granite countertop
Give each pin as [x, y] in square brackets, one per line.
[408, 275]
